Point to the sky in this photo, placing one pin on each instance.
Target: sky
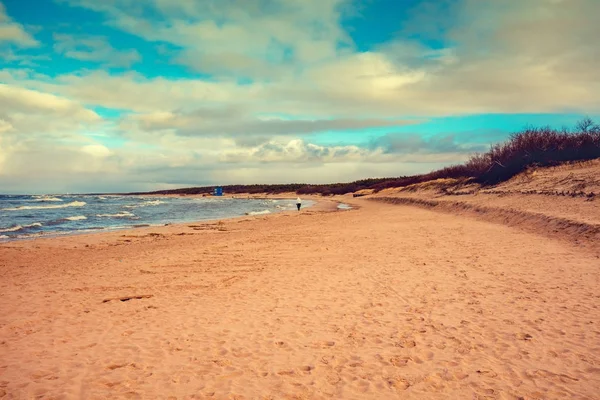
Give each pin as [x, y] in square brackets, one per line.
[127, 95]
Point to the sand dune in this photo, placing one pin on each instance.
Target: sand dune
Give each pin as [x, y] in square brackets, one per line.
[379, 302]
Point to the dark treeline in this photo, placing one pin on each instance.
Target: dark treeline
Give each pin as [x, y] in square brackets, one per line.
[532, 147]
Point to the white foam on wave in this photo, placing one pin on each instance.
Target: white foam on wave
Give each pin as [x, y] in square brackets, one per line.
[76, 218]
[145, 204]
[4, 237]
[47, 198]
[208, 199]
[153, 202]
[19, 227]
[263, 212]
[11, 229]
[71, 204]
[123, 214]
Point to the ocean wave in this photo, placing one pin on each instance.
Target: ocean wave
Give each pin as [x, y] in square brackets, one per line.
[71, 204]
[4, 237]
[16, 228]
[207, 199]
[47, 198]
[145, 204]
[123, 214]
[75, 218]
[153, 202]
[11, 229]
[263, 212]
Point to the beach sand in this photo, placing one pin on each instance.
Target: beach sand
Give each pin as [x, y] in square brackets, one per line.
[382, 301]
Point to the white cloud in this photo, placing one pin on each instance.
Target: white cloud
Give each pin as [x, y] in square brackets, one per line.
[14, 33]
[226, 122]
[297, 151]
[96, 150]
[5, 126]
[38, 135]
[22, 60]
[29, 114]
[19, 100]
[94, 49]
[255, 38]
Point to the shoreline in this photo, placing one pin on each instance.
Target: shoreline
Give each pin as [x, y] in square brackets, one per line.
[110, 231]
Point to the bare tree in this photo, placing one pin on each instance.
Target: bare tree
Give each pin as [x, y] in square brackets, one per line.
[586, 125]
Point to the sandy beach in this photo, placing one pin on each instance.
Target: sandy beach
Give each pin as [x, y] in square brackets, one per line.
[382, 301]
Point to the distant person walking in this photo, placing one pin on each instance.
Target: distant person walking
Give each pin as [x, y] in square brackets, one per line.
[298, 203]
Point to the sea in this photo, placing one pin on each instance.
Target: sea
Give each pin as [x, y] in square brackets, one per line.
[31, 216]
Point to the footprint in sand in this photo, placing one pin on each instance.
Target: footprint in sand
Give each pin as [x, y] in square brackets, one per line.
[399, 383]
[116, 366]
[324, 344]
[286, 372]
[524, 336]
[540, 373]
[487, 372]
[406, 343]
[333, 379]
[398, 361]
[222, 363]
[326, 359]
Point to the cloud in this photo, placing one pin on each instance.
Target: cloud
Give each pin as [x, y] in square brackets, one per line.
[22, 60]
[513, 56]
[34, 129]
[253, 38]
[490, 57]
[295, 151]
[16, 99]
[401, 143]
[233, 122]
[14, 33]
[96, 150]
[495, 57]
[93, 49]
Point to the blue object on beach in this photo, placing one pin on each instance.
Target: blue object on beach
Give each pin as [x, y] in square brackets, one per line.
[218, 191]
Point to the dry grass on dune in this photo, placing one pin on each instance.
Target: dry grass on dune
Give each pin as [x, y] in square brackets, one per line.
[533, 147]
